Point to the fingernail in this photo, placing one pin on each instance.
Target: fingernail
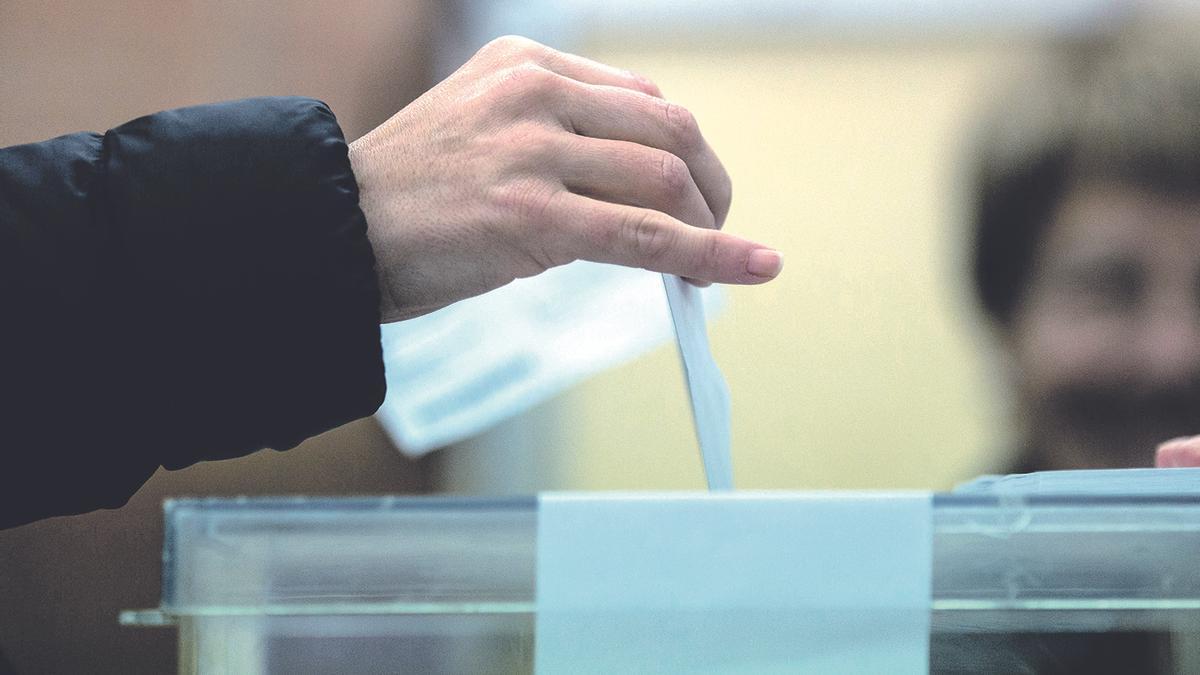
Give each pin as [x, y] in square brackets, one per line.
[764, 263]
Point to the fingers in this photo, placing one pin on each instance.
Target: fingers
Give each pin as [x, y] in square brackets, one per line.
[592, 72]
[1179, 452]
[636, 175]
[620, 114]
[603, 102]
[638, 237]
[644, 187]
[515, 50]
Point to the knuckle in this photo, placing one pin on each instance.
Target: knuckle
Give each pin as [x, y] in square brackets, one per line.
[647, 238]
[675, 176]
[714, 252]
[526, 81]
[526, 200]
[682, 125]
[512, 46]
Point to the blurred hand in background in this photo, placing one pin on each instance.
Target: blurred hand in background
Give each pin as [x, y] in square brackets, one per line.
[1179, 452]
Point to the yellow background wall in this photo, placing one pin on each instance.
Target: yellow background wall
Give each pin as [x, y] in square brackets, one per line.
[864, 364]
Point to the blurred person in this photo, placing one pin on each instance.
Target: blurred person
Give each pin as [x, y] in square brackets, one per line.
[1086, 262]
[1087, 249]
[163, 233]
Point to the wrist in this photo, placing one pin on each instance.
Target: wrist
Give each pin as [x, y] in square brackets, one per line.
[389, 309]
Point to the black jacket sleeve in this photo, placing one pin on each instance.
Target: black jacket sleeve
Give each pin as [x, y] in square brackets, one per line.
[195, 284]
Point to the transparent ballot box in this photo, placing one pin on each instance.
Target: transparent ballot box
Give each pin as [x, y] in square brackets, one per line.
[1022, 580]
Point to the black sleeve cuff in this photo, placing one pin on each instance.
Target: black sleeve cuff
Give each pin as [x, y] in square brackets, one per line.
[247, 275]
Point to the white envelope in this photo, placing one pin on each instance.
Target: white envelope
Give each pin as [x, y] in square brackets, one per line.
[454, 373]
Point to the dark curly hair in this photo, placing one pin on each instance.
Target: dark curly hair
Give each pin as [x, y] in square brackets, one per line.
[1123, 107]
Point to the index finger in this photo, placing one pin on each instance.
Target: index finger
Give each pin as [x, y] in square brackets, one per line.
[619, 114]
[636, 237]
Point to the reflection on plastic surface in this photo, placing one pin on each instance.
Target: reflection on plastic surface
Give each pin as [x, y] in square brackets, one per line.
[1089, 482]
[734, 583]
[456, 372]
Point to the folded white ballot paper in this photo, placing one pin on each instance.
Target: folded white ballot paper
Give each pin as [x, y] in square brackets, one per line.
[458, 371]
[734, 582]
[706, 386]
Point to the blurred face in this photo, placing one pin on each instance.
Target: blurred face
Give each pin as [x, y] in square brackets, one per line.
[1106, 341]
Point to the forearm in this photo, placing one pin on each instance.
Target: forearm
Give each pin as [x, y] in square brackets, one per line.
[196, 285]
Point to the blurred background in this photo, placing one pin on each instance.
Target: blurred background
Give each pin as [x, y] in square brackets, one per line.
[845, 128]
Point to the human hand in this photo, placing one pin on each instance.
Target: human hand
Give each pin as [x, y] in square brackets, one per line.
[1178, 452]
[527, 158]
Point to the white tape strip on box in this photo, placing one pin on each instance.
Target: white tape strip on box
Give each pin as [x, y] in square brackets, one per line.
[734, 583]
